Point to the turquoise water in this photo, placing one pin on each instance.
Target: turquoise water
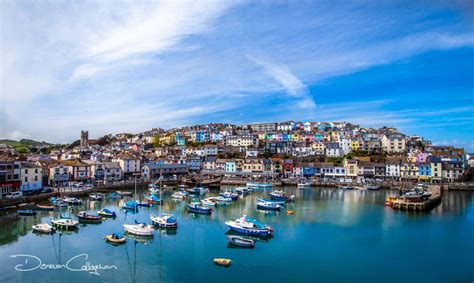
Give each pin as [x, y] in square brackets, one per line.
[334, 236]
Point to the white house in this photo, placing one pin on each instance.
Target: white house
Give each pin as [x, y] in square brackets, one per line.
[31, 177]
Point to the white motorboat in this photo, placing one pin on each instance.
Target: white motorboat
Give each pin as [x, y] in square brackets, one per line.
[164, 220]
[65, 223]
[139, 229]
[43, 228]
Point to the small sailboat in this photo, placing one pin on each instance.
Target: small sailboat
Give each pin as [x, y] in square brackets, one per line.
[153, 199]
[130, 205]
[139, 229]
[116, 238]
[231, 195]
[240, 241]
[222, 262]
[178, 196]
[280, 195]
[249, 226]
[43, 228]
[106, 213]
[373, 188]
[84, 217]
[143, 203]
[65, 223]
[164, 220]
[196, 207]
[26, 212]
[72, 201]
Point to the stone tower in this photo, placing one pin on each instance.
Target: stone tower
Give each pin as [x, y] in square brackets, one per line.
[84, 138]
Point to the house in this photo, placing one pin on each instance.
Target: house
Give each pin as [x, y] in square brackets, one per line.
[409, 171]
[333, 149]
[97, 169]
[393, 143]
[263, 127]
[424, 171]
[366, 169]
[267, 165]
[452, 170]
[113, 171]
[194, 163]
[210, 150]
[242, 141]
[352, 168]
[209, 164]
[392, 169]
[58, 174]
[166, 171]
[436, 169]
[129, 163]
[31, 176]
[379, 170]
[78, 170]
[230, 166]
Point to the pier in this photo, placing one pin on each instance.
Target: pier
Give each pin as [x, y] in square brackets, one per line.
[427, 205]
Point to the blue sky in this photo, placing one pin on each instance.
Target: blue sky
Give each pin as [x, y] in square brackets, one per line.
[111, 67]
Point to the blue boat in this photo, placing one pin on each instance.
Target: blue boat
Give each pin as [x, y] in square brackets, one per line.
[198, 191]
[264, 205]
[233, 196]
[280, 195]
[27, 212]
[196, 207]
[249, 226]
[280, 202]
[242, 191]
[130, 205]
[106, 213]
[259, 185]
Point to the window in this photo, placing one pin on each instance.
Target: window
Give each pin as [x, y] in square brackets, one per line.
[26, 179]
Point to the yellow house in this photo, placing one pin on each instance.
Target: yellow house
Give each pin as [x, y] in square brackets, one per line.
[334, 136]
[355, 145]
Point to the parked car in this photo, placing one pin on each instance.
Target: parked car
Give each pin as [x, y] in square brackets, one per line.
[14, 195]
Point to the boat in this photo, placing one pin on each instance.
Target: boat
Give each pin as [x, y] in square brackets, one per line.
[114, 195]
[263, 205]
[304, 184]
[231, 195]
[26, 212]
[60, 204]
[164, 220]
[45, 207]
[43, 228]
[196, 207]
[280, 202]
[373, 188]
[106, 213]
[182, 186]
[130, 205]
[65, 223]
[240, 241]
[72, 201]
[88, 218]
[208, 202]
[290, 212]
[115, 238]
[124, 193]
[344, 188]
[249, 226]
[154, 190]
[139, 229]
[96, 197]
[242, 191]
[26, 205]
[142, 203]
[222, 262]
[222, 200]
[258, 185]
[198, 191]
[178, 196]
[153, 199]
[390, 200]
[280, 195]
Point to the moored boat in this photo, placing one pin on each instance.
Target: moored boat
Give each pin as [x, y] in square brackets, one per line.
[240, 241]
[88, 218]
[43, 228]
[264, 205]
[130, 205]
[26, 212]
[96, 197]
[208, 202]
[178, 195]
[231, 195]
[249, 226]
[164, 220]
[124, 193]
[65, 223]
[280, 202]
[304, 184]
[280, 195]
[115, 238]
[222, 262]
[373, 188]
[259, 185]
[72, 201]
[242, 191]
[45, 207]
[106, 213]
[153, 199]
[198, 191]
[196, 207]
[139, 229]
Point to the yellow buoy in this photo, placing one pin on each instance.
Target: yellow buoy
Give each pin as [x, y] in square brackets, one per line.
[290, 212]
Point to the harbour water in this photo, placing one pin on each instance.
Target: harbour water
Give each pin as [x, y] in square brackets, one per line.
[333, 236]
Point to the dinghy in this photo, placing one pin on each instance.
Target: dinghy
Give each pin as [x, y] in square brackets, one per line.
[240, 241]
[106, 213]
[45, 207]
[65, 223]
[84, 217]
[115, 238]
[196, 207]
[139, 229]
[43, 228]
[222, 261]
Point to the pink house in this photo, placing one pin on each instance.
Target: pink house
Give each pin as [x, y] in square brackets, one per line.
[421, 157]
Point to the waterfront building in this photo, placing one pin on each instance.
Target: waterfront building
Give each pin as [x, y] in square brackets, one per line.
[9, 175]
[129, 164]
[78, 170]
[352, 168]
[31, 176]
[58, 174]
[113, 171]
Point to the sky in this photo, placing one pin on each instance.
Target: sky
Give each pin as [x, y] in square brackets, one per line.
[129, 66]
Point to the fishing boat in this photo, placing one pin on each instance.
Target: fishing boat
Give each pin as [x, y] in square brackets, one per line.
[198, 191]
[303, 184]
[124, 193]
[242, 191]
[130, 205]
[264, 205]
[72, 201]
[249, 226]
[43, 228]
[139, 229]
[26, 212]
[178, 196]
[115, 238]
[222, 262]
[259, 185]
[106, 213]
[240, 241]
[280, 195]
[280, 202]
[84, 217]
[208, 202]
[164, 220]
[196, 207]
[45, 207]
[65, 223]
[231, 195]
[96, 197]
[153, 199]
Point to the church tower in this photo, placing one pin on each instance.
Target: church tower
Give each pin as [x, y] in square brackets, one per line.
[84, 138]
